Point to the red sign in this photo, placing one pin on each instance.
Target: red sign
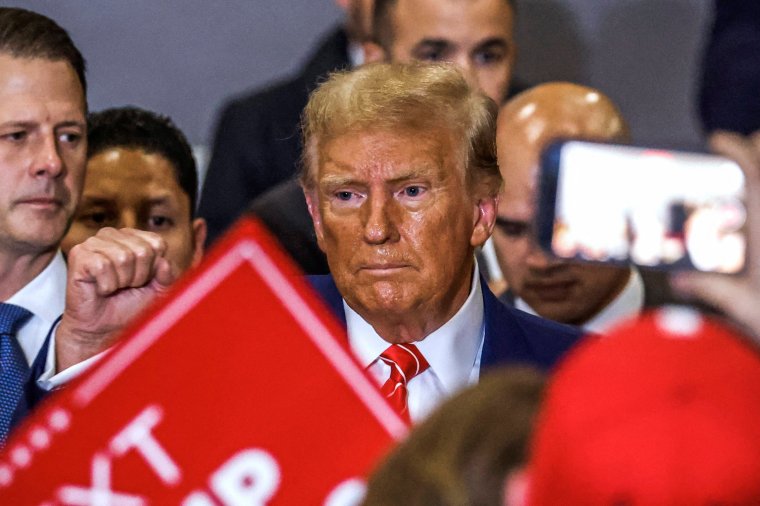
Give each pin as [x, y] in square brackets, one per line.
[237, 389]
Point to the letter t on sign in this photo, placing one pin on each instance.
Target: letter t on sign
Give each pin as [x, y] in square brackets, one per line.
[137, 434]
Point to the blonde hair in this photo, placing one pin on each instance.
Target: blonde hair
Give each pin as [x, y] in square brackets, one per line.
[396, 96]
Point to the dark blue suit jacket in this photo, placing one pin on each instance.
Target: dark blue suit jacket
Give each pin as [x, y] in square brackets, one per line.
[511, 336]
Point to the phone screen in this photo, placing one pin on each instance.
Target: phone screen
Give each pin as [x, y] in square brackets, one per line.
[657, 208]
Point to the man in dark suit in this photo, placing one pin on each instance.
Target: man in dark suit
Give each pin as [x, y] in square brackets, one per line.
[257, 142]
[401, 182]
[476, 35]
[593, 296]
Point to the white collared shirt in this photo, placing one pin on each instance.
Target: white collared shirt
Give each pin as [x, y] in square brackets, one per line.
[453, 352]
[355, 54]
[44, 297]
[628, 304]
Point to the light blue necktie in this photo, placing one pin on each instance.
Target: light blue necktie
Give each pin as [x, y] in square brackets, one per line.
[13, 366]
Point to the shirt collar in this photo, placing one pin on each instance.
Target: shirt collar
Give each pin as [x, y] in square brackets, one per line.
[628, 303]
[355, 54]
[43, 295]
[450, 350]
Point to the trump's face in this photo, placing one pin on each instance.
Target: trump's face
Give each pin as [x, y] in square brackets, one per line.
[395, 218]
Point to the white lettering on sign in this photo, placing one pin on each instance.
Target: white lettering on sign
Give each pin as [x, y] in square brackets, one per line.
[198, 499]
[347, 493]
[137, 434]
[251, 478]
[99, 493]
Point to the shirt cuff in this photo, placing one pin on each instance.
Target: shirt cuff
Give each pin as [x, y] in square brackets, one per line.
[50, 380]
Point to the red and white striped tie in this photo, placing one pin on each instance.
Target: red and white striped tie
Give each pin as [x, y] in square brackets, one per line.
[406, 362]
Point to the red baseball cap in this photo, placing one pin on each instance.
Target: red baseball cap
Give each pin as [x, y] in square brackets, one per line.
[663, 411]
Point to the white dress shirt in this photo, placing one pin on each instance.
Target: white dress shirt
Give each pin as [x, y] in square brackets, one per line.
[453, 352]
[628, 304]
[45, 298]
[355, 54]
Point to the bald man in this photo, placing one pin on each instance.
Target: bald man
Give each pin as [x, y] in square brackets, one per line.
[592, 296]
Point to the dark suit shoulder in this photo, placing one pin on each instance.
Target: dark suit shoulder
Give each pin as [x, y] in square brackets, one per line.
[514, 336]
[257, 142]
[283, 210]
[323, 283]
[325, 287]
[541, 331]
[285, 98]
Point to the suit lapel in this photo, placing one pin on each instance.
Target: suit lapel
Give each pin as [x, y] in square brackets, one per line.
[325, 286]
[505, 340]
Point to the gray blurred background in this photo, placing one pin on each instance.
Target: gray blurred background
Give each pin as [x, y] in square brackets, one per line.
[184, 58]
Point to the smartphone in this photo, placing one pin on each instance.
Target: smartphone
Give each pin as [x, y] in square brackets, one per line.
[655, 208]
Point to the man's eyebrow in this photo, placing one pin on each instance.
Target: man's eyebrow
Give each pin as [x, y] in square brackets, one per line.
[421, 172]
[94, 200]
[432, 44]
[333, 180]
[70, 123]
[507, 222]
[159, 200]
[492, 42]
[336, 180]
[28, 124]
[18, 124]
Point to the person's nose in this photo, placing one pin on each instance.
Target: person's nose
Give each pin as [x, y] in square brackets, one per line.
[127, 219]
[48, 160]
[468, 69]
[379, 220]
[538, 259]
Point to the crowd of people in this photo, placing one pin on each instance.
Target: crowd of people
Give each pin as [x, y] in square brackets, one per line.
[401, 154]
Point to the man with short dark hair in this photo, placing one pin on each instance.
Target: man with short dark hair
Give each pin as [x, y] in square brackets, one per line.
[27, 34]
[476, 35]
[140, 174]
[43, 148]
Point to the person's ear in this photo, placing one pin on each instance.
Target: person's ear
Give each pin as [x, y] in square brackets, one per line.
[484, 218]
[343, 4]
[373, 52]
[312, 202]
[200, 231]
